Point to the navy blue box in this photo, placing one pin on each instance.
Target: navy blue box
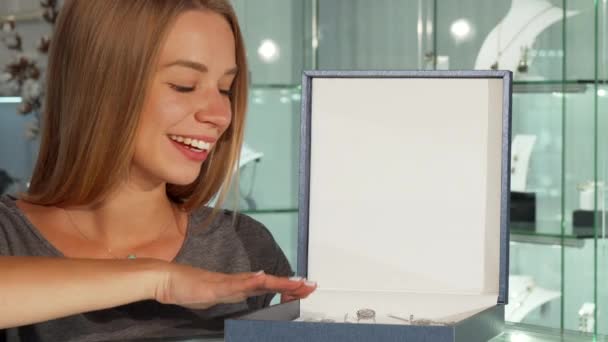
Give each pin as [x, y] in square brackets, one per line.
[381, 152]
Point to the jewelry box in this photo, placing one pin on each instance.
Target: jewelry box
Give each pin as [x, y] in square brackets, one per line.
[381, 153]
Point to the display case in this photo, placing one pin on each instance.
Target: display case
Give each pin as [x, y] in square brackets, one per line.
[558, 172]
[558, 53]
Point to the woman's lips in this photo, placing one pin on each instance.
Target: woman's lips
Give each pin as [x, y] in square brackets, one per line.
[189, 151]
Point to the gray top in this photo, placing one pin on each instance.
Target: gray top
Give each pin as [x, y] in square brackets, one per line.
[221, 246]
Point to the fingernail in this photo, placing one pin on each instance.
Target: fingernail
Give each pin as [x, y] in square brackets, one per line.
[259, 273]
[295, 278]
[311, 283]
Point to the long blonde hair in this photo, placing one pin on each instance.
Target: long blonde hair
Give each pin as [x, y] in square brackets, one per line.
[101, 62]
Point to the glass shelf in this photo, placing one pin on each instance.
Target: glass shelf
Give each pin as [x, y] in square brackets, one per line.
[530, 333]
[518, 84]
[295, 87]
[547, 238]
[271, 211]
[540, 86]
[576, 81]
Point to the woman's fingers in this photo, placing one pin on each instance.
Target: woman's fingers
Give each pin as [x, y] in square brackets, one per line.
[296, 288]
[263, 283]
[197, 288]
[280, 284]
[300, 293]
[239, 287]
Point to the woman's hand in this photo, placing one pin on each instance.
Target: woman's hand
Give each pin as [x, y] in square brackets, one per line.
[299, 293]
[199, 289]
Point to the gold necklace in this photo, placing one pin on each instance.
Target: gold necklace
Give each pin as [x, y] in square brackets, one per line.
[109, 250]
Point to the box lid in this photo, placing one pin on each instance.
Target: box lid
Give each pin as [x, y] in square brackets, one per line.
[404, 181]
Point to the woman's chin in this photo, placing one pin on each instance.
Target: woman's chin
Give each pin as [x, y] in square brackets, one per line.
[183, 178]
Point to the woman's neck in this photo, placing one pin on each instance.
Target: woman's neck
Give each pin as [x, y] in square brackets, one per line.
[128, 217]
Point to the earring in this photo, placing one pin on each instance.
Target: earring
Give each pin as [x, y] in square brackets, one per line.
[522, 67]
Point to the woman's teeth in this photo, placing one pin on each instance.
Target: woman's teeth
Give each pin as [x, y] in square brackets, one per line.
[193, 143]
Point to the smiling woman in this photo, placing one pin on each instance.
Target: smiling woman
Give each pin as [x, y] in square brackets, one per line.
[142, 126]
[131, 74]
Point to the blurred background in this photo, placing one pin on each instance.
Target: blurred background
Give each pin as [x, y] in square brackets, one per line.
[557, 50]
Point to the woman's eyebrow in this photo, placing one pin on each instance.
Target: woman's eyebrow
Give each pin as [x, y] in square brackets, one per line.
[196, 66]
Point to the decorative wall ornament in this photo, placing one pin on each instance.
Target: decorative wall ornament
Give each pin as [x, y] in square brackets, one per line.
[24, 75]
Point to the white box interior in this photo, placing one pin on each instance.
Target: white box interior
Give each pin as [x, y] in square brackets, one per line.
[405, 195]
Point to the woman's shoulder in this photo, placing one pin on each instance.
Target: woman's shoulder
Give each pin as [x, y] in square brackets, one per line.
[14, 231]
[8, 210]
[6, 215]
[254, 235]
[242, 224]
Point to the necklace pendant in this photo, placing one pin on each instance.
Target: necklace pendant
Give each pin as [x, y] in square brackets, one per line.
[132, 256]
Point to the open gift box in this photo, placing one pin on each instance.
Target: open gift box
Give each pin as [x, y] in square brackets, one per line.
[404, 200]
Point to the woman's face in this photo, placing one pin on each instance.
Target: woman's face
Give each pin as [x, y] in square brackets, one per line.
[187, 108]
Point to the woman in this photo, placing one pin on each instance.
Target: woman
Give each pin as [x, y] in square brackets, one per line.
[143, 121]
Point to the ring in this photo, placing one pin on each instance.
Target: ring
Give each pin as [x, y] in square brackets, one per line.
[366, 314]
[421, 321]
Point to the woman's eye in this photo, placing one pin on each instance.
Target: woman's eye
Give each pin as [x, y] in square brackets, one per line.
[226, 92]
[181, 89]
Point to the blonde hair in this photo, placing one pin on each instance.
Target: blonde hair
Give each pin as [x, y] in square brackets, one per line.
[100, 66]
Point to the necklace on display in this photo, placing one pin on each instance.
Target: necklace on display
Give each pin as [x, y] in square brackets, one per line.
[519, 299]
[500, 51]
[109, 250]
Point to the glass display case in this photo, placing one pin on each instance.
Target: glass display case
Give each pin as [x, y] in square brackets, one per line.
[558, 52]
[558, 169]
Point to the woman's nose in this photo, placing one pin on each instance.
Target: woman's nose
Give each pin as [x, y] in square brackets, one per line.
[214, 108]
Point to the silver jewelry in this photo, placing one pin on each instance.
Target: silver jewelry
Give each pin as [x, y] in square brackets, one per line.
[421, 321]
[361, 316]
[366, 315]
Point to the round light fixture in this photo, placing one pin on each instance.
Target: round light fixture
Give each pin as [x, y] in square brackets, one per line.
[268, 51]
[461, 29]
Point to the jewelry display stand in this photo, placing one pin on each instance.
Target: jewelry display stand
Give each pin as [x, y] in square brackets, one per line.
[586, 318]
[248, 157]
[517, 31]
[523, 204]
[525, 296]
[521, 150]
[584, 218]
[248, 163]
[386, 160]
